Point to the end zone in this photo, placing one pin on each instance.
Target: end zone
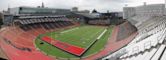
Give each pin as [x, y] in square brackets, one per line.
[64, 46]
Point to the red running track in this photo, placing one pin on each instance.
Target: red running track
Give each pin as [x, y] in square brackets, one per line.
[64, 46]
[15, 54]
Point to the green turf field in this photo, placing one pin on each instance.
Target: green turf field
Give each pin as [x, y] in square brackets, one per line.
[81, 36]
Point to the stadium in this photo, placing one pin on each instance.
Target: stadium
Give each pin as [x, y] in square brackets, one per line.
[42, 33]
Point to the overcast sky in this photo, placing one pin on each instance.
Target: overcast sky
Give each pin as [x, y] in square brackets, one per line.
[99, 5]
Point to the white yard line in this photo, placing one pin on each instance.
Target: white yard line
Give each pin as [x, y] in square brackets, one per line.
[69, 30]
[101, 34]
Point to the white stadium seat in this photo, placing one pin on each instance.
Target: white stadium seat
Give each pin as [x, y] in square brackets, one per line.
[159, 52]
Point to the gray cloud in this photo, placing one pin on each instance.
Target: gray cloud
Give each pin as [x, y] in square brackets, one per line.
[100, 5]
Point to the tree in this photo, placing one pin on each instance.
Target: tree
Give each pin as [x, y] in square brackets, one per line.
[1, 19]
[94, 11]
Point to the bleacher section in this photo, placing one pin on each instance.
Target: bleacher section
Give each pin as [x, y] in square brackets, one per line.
[99, 22]
[125, 30]
[28, 23]
[137, 20]
[51, 25]
[148, 44]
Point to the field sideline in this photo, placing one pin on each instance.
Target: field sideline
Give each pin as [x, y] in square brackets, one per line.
[79, 36]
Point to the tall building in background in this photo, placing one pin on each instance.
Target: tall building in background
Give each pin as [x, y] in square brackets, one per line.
[165, 3]
[144, 10]
[37, 10]
[128, 12]
[42, 5]
[74, 9]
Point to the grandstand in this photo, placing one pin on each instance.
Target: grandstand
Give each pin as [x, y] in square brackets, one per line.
[99, 22]
[45, 22]
[149, 44]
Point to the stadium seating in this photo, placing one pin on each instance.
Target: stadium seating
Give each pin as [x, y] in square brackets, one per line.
[99, 22]
[31, 22]
[46, 26]
[125, 30]
[148, 44]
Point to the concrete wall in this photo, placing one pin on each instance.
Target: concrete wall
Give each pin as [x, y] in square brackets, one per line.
[128, 12]
[125, 30]
[14, 11]
[150, 10]
[35, 10]
[144, 10]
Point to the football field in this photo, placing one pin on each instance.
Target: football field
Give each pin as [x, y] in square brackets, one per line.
[79, 36]
[83, 37]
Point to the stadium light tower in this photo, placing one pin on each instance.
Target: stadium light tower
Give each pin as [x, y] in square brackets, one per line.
[165, 3]
[42, 5]
[8, 8]
[144, 3]
[126, 5]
